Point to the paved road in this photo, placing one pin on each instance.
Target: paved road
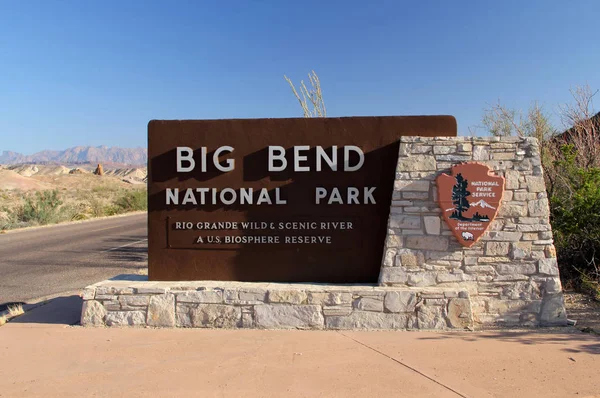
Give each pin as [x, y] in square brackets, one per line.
[36, 263]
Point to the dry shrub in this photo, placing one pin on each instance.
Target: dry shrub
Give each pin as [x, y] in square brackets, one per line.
[314, 96]
[571, 164]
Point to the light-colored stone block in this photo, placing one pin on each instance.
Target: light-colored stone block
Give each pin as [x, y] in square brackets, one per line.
[329, 298]
[480, 152]
[182, 316]
[411, 185]
[535, 183]
[125, 318]
[466, 147]
[150, 290]
[432, 225]
[216, 316]
[548, 266]
[538, 207]
[288, 316]
[134, 300]
[400, 301]
[552, 286]
[497, 248]
[88, 294]
[394, 241]
[553, 310]
[252, 297]
[438, 243]
[427, 278]
[161, 311]
[450, 277]
[520, 250]
[369, 304]
[287, 296]
[200, 296]
[416, 163]
[92, 313]
[517, 268]
[368, 320]
[431, 317]
[512, 179]
[337, 310]
[512, 210]
[505, 236]
[401, 221]
[393, 275]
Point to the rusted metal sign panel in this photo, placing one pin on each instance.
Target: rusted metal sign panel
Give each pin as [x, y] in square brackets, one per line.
[285, 200]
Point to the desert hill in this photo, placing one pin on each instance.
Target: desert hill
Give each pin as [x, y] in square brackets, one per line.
[131, 175]
[10, 180]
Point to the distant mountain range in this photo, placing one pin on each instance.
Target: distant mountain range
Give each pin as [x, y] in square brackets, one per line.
[80, 154]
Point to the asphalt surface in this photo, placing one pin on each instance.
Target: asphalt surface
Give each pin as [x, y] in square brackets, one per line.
[42, 262]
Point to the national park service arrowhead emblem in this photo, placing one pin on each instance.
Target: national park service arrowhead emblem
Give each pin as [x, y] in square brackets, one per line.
[469, 199]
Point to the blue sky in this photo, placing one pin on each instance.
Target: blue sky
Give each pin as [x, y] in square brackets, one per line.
[95, 72]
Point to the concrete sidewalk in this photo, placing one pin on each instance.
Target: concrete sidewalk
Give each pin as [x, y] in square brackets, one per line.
[43, 356]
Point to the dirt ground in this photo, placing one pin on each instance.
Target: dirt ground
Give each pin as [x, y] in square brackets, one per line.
[585, 310]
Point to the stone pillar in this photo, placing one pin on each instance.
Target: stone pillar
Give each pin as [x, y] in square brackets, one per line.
[511, 273]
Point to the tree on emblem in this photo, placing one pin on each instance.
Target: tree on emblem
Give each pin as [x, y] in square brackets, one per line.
[459, 198]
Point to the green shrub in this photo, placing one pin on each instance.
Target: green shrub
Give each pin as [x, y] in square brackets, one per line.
[575, 218]
[96, 206]
[9, 220]
[132, 200]
[42, 208]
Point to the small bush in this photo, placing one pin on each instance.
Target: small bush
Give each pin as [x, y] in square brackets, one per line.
[97, 207]
[15, 310]
[575, 218]
[8, 220]
[132, 200]
[42, 208]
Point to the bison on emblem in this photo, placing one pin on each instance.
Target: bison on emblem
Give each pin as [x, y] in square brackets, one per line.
[467, 236]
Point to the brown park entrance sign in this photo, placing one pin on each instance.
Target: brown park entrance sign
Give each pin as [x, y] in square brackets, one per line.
[469, 199]
[280, 200]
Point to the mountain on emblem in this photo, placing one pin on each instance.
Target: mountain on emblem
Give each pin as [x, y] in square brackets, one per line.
[483, 204]
[470, 198]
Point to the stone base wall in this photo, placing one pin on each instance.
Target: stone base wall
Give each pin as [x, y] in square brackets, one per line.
[133, 301]
[511, 273]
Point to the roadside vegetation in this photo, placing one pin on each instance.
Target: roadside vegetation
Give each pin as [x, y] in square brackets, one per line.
[571, 163]
[12, 312]
[20, 209]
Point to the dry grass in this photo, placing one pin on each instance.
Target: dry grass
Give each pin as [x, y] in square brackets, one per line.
[15, 310]
[314, 96]
[12, 311]
[142, 271]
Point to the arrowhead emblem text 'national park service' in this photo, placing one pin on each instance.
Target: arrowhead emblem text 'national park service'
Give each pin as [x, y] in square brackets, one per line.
[469, 199]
